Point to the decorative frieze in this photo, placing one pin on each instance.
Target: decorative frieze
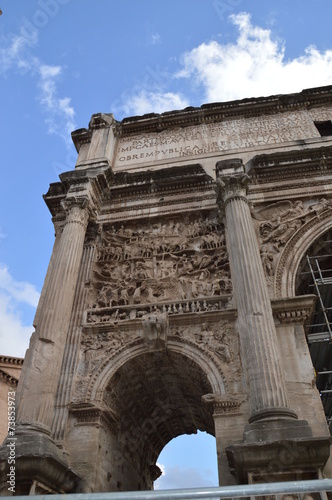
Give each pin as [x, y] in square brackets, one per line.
[181, 263]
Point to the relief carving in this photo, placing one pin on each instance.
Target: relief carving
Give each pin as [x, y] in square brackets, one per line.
[97, 346]
[155, 328]
[220, 339]
[278, 222]
[183, 261]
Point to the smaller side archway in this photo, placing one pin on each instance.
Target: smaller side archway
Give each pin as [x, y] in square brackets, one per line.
[314, 275]
[289, 264]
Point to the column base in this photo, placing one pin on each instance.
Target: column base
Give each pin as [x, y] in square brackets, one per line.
[280, 460]
[273, 413]
[37, 461]
[276, 430]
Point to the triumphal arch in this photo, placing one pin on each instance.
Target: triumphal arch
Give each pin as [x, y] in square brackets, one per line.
[177, 299]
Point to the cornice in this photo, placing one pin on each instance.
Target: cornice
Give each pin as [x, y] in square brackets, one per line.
[214, 112]
[98, 120]
[10, 360]
[166, 181]
[13, 381]
[294, 309]
[77, 182]
[287, 165]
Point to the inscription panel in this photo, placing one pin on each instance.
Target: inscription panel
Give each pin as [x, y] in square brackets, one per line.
[215, 137]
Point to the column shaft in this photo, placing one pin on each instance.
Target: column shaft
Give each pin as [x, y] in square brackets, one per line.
[40, 379]
[268, 396]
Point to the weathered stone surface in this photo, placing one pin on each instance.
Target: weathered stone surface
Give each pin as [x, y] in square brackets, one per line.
[169, 304]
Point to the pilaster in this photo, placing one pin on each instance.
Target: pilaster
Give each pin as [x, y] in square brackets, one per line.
[95, 145]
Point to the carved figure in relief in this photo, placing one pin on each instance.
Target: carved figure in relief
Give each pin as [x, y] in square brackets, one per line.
[114, 298]
[222, 348]
[320, 207]
[155, 326]
[102, 299]
[204, 334]
[281, 221]
[267, 260]
[169, 260]
[124, 297]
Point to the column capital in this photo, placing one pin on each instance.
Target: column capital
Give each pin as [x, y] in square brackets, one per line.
[232, 180]
[232, 186]
[78, 210]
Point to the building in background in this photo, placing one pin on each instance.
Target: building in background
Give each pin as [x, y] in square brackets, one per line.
[188, 284]
[10, 370]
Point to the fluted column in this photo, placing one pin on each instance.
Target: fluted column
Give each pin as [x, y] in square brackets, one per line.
[42, 366]
[268, 395]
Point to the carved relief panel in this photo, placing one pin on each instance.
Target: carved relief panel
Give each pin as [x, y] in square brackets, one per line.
[278, 222]
[181, 264]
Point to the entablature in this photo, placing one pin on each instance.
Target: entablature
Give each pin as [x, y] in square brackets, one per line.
[291, 174]
[214, 112]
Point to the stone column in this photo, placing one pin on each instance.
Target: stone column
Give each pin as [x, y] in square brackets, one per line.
[268, 397]
[40, 377]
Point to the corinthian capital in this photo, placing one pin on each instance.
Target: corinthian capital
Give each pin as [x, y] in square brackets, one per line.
[232, 181]
[77, 210]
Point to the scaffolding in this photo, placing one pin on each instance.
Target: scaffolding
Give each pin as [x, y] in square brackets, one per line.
[319, 331]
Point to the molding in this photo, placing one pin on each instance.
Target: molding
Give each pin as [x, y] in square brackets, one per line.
[10, 360]
[216, 112]
[10, 379]
[295, 164]
[294, 309]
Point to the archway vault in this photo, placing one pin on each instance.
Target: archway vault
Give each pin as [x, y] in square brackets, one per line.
[156, 395]
[192, 355]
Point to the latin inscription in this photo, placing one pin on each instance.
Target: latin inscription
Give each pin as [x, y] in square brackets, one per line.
[216, 137]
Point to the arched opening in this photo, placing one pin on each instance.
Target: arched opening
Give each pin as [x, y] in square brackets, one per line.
[153, 397]
[314, 276]
[188, 462]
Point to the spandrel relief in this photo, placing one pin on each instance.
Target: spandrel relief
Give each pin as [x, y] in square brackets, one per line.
[276, 224]
[180, 264]
[100, 345]
[218, 338]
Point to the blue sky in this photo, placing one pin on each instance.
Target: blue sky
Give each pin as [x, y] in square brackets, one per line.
[63, 60]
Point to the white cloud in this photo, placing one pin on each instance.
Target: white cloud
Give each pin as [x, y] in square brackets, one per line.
[153, 102]
[16, 55]
[254, 65]
[60, 113]
[155, 39]
[14, 51]
[174, 477]
[14, 335]
[21, 291]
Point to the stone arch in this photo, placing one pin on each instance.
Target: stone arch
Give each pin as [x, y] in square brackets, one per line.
[207, 363]
[294, 252]
[151, 397]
